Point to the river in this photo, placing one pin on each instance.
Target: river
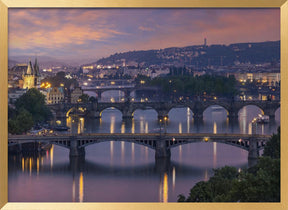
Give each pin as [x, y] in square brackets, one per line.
[127, 172]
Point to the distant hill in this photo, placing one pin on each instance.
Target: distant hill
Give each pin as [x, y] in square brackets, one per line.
[200, 55]
[44, 61]
[12, 63]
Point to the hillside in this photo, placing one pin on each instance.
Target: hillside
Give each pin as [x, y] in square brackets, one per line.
[199, 55]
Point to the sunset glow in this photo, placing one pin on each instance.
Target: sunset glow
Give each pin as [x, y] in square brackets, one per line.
[95, 33]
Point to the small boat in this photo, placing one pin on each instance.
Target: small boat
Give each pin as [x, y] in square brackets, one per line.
[261, 119]
[217, 109]
[157, 130]
[61, 128]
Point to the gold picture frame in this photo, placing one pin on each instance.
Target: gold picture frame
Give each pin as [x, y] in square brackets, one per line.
[5, 4]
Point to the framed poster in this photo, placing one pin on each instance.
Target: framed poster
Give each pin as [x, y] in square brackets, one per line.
[70, 31]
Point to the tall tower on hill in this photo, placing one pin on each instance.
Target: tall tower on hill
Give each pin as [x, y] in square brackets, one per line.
[31, 78]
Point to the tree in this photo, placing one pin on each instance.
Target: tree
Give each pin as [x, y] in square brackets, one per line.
[263, 185]
[194, 86]
[218, 186]
[20, 123]
[272, 148]
[202, 192]
[260, 183]
[34, 102]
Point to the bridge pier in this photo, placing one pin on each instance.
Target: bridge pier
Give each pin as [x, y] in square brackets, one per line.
[162, 115]
[127, 117]
[232, 114]
[99, 94]
[77, 164]
[127, 112]
[95, 114]
[162, 165]
[75, 150]
[163, 118]
[271, 115]
[161, 151]
[127, 94]
[198, 117]
[233, 118]
[270, 109]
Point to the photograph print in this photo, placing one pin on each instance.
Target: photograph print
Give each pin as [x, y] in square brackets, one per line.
[144, 105]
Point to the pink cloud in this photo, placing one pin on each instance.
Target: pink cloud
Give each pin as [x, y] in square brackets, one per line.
[143, 28]
[121, 30]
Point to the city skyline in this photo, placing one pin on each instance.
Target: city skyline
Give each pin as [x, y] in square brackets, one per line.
[89, 34]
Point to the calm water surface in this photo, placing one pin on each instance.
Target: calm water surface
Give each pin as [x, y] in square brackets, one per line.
[127, 172]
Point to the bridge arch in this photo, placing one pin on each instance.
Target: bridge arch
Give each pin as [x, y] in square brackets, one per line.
[278, 113]
[110, 108]
[256, 110]
[69, 111]
[235, 143]
[150, 110]
[216, 109]
[74, 108]
[147, 143]
[175, 111]
[103, 95]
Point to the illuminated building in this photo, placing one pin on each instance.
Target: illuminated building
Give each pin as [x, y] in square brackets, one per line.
[31, 78]
[55, 95]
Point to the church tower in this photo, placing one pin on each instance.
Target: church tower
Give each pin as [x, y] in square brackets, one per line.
[37, 73]
[31, 78]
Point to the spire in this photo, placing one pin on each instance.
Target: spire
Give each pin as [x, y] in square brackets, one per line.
[36, 67]
[29, 68]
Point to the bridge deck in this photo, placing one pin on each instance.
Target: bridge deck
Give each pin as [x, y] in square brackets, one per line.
[139, 136]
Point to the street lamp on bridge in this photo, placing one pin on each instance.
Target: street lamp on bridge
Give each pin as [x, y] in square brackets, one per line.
[164, 120]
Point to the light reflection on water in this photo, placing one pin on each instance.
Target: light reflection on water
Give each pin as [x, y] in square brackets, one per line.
[127, 172]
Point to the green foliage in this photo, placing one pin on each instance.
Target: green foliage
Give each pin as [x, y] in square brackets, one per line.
[260, 183]
[29, 109]
[20, 123]
[214, 55]
[202, 192]
[216, 187]
[263, 185]
[149, 57]
[272, 148]
[11, 112]
[196, 86]
[34, 102]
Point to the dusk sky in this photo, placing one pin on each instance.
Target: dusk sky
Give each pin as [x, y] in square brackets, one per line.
[82, 34]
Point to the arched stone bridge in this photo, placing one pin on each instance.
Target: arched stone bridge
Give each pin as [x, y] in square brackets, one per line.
[162, 108]
[161, 143]
[126, 89]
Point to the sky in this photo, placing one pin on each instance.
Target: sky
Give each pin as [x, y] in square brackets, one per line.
[90, 34]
